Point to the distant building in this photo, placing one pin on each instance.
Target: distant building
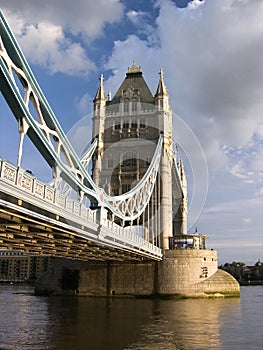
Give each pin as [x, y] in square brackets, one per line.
[245, 275]
[19, 267]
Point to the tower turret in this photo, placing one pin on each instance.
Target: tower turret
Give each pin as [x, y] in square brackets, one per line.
[161, 99]
[161, 96]
[99, 106]
[164, 114]
[184, 201]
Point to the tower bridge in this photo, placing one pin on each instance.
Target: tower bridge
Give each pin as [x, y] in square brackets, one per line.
[131, 208]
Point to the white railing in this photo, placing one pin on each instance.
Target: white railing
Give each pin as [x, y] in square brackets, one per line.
[28, 183]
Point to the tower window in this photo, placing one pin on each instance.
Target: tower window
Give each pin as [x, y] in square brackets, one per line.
[134, 124]
[204, 272]
[142, 123]
[134, 106]
[126, 107]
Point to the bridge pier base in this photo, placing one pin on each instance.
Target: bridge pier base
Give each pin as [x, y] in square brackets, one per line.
[182, 273]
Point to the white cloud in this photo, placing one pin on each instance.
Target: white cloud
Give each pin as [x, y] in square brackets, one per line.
[216, 65]
[247, 162]
[136, 16]
[124, 52]
[47, 46]
[143, 23]
[85, 104]
[238, 171]
[194, 4]
[87, 18]
[46, 34]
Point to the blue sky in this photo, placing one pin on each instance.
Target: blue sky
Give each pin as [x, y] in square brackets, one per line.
[211, 53]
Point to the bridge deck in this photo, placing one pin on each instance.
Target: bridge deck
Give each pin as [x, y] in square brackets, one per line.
[52, 226]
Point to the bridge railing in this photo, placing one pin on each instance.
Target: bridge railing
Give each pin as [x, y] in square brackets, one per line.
[28, 183]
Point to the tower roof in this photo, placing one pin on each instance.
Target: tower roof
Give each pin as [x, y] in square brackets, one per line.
[133, 85]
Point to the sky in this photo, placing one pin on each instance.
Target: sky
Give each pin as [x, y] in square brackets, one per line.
[211, 54]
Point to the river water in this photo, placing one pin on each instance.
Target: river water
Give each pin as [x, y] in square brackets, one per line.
[29, 322]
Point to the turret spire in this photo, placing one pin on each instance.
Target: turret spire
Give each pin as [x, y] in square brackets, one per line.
[161, 96]
[161, 89]
[100, 95]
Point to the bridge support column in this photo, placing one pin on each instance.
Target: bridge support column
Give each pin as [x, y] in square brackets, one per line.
[166, 202]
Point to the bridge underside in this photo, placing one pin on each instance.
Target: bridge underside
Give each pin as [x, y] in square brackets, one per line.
[22, 229]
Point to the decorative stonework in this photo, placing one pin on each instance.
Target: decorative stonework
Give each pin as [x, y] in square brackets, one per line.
[134, 68]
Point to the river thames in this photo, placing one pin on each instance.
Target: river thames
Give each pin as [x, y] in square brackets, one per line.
[29, 322]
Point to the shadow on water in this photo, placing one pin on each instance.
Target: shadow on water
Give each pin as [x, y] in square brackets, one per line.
[77, 323]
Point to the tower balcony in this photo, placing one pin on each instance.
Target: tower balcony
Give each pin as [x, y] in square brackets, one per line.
[188, 241]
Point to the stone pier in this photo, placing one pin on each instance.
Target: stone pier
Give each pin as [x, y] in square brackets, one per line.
[182, 273]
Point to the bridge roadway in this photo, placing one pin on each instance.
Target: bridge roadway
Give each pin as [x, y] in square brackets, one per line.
[36, 219]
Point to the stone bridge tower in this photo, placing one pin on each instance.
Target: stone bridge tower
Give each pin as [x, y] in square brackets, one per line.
[128, 127]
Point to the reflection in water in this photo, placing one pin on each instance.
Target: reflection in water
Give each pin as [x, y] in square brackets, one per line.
[97, 323]
[23, 319]
[29, 322]
[186, 324]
